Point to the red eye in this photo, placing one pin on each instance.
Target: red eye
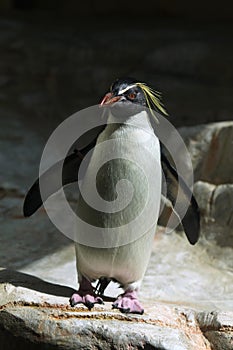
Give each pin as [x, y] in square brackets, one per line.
[132, 96]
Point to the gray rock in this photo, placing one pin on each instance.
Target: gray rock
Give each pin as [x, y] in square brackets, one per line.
[39, 321]
[218, 329]
[58, 326]
[203, 192]
[216, 203]
[210, 146]
[223, 205]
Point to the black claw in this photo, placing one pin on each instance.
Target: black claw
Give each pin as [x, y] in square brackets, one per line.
[72, 303]
[139, 312]
[127, 310]
[100, 301]
[89, 305]
[123, 310]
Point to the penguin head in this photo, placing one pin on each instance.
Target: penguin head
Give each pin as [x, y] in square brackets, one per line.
[128, 96]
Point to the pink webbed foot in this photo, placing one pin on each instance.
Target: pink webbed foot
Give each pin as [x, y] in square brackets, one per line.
[89, 300]
[128, 303]
[85, 295]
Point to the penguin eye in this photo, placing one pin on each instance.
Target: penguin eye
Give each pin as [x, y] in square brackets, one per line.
[132, 96]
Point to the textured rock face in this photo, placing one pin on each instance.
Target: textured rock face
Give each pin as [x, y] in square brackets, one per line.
[55, 325]
[216, 206]
[211, 148]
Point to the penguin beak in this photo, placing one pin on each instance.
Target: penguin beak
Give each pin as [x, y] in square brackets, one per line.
[109, 99]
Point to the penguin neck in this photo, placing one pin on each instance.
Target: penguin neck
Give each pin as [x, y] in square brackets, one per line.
[140, 120]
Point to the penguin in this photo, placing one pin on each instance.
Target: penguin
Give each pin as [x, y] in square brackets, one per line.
[130, 126]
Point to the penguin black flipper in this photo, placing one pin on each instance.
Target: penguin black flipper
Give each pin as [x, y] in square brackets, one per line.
[50, 179]
[33, 200]
[191, 219]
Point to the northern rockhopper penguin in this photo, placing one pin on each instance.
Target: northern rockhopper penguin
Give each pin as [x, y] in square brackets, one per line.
[129, 106]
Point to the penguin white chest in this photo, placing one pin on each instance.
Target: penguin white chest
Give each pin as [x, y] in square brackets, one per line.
[120, 196]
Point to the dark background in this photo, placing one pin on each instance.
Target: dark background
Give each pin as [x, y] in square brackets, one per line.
[60, 56]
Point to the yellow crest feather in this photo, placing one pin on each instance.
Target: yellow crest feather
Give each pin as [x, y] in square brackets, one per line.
[153, 98]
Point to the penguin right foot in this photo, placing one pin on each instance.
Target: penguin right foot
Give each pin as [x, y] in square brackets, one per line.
[128, 303]
[89, 300]
[85, 295]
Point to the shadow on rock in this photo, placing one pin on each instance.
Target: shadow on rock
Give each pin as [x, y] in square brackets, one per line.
[19, 279]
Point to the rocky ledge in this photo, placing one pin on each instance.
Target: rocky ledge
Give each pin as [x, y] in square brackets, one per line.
[38, 321]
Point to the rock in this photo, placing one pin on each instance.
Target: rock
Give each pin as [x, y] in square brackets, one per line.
[216, 203]
[203, 192]
[58, 326]
[213, 325]
[210, 147]
[48, 322]
[223, 205]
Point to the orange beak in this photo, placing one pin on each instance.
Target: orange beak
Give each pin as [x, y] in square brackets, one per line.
[109, 99]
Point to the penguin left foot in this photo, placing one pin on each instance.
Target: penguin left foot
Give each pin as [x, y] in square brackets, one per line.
[128, 303]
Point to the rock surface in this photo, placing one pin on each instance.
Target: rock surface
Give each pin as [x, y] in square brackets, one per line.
[163, 327]
[210, 147]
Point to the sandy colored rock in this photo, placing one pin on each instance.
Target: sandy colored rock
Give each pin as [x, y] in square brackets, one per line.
[55, 324]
